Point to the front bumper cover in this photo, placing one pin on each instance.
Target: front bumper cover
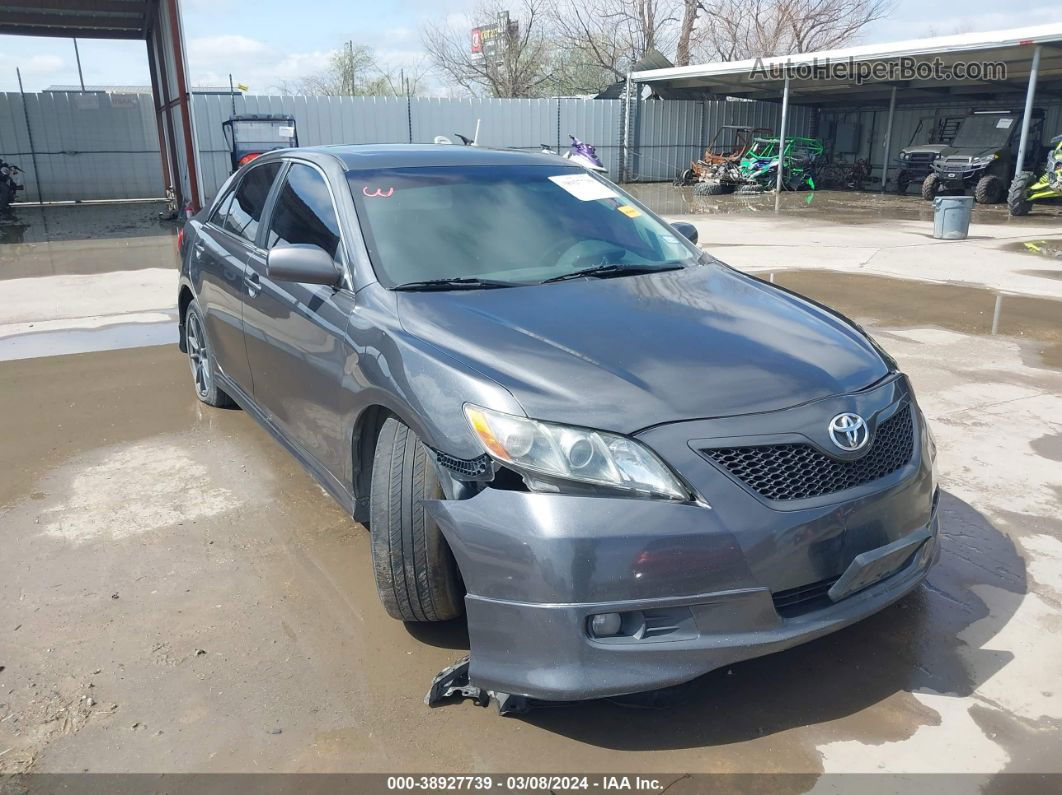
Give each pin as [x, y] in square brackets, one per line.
[701, 580]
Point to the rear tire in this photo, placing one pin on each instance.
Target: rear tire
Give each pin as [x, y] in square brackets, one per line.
[201, 360]
[930, 187]
[990, 190]
[416, 575]
[902, 181]
[711, 188]
[1018, 199]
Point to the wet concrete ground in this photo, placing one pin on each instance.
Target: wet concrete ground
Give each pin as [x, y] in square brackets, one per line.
[180, 596]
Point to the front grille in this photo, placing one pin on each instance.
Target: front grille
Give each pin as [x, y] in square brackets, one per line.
[800, 471]
[798, 601]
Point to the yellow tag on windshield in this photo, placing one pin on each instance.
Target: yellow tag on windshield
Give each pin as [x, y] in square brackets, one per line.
[630, 212]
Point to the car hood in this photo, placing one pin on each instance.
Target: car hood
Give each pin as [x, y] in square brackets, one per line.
[623, 354]
[968, 151]
[934, 149]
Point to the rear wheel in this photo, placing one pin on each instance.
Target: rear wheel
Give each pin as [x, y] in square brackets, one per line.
[710, 188]
[902, 181]
[201, 360]
[1018, 199]
[930, 187]
[990, 190]
[416, 575]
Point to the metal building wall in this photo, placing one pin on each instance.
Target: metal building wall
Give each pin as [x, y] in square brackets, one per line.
[85, 145]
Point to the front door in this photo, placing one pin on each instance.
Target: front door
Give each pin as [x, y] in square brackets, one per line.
[295, 332]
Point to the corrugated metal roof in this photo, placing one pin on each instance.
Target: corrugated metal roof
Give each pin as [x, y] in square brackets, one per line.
[1011, 47]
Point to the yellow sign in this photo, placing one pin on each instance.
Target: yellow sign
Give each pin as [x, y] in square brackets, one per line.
[630, 212]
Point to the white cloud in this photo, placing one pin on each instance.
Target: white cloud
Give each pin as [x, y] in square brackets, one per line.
[224, 46]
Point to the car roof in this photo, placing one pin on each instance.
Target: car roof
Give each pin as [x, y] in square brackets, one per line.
[373, 156]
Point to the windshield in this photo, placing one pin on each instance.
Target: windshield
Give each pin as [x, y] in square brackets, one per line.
[985, 131]
[510, 224]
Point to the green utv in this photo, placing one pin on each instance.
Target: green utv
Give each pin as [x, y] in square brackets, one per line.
[759, 165]
[1028, 188]
[982, 156]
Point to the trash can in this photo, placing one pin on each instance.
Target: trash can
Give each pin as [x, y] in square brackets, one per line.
[951, 217]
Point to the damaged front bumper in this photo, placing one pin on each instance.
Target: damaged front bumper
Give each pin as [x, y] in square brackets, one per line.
[539, 567]
[696, 585]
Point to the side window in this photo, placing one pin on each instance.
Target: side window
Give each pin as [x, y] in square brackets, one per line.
[245, 211]
[221, 212]
[304, 212]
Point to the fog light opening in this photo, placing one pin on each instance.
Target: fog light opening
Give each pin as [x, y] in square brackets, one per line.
[605, 625]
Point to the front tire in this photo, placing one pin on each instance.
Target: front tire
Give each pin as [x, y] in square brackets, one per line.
[201, 360]
[990, 190]
[930, 187]
[1018, 199]
[416, 575]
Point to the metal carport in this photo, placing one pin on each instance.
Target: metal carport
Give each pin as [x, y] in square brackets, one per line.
[158, 23]
[1032, 57]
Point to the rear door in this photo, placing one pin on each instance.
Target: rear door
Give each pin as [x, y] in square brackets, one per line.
[221, 250]
[295, 332]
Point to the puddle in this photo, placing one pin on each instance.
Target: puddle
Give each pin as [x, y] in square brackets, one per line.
[909, 304]
[85, 239]
[106, 338]
[847, 207]
[1050, 248]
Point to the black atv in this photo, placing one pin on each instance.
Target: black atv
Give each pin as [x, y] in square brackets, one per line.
[982, 156]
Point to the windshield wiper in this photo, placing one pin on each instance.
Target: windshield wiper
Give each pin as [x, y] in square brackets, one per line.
[604, 271]
[455, 283]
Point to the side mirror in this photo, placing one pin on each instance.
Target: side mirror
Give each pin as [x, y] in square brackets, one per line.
[688, 231]
[303, 263]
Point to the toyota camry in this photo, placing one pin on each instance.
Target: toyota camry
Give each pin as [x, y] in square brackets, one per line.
[624, 461]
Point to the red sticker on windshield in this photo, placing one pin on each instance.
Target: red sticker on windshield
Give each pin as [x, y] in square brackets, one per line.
[378, 193]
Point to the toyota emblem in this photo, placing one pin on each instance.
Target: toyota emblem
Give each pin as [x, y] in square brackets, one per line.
[849, 432]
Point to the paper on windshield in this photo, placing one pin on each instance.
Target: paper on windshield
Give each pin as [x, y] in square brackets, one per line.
[584, 187]
[1004, 124]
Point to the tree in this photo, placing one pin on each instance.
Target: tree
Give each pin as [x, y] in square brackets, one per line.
[353, 71]
[690, 9]
[515, 57]
[613, 34]
[738, 29]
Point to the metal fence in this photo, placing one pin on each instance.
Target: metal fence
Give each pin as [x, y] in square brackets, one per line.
[79, 146]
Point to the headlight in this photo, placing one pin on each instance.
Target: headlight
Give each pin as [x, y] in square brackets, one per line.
[603, 459]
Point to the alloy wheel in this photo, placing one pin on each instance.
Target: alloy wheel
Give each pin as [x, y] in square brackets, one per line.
[198, 355]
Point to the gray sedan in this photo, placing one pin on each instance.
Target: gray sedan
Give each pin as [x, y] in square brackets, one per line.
[627, 463]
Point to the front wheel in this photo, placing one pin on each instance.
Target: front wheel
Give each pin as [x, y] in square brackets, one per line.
[201, 360]
[930, 187]
[1018, 199]
[990, 190]
[416, 575]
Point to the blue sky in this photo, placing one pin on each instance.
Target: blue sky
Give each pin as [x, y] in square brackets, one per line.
[266, 42]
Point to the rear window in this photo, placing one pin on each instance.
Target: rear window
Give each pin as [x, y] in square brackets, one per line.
[245, 212]
[512, 223]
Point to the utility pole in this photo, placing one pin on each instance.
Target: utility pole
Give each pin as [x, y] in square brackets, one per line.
[350, 68]
[80, 76]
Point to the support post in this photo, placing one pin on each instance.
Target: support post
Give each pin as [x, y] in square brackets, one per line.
[781, 137]
[1026, 119]
[888, 140]
[77, 56]
[29, 137]
[625, 132]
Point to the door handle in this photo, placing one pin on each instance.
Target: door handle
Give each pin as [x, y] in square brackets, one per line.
[253, 282]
